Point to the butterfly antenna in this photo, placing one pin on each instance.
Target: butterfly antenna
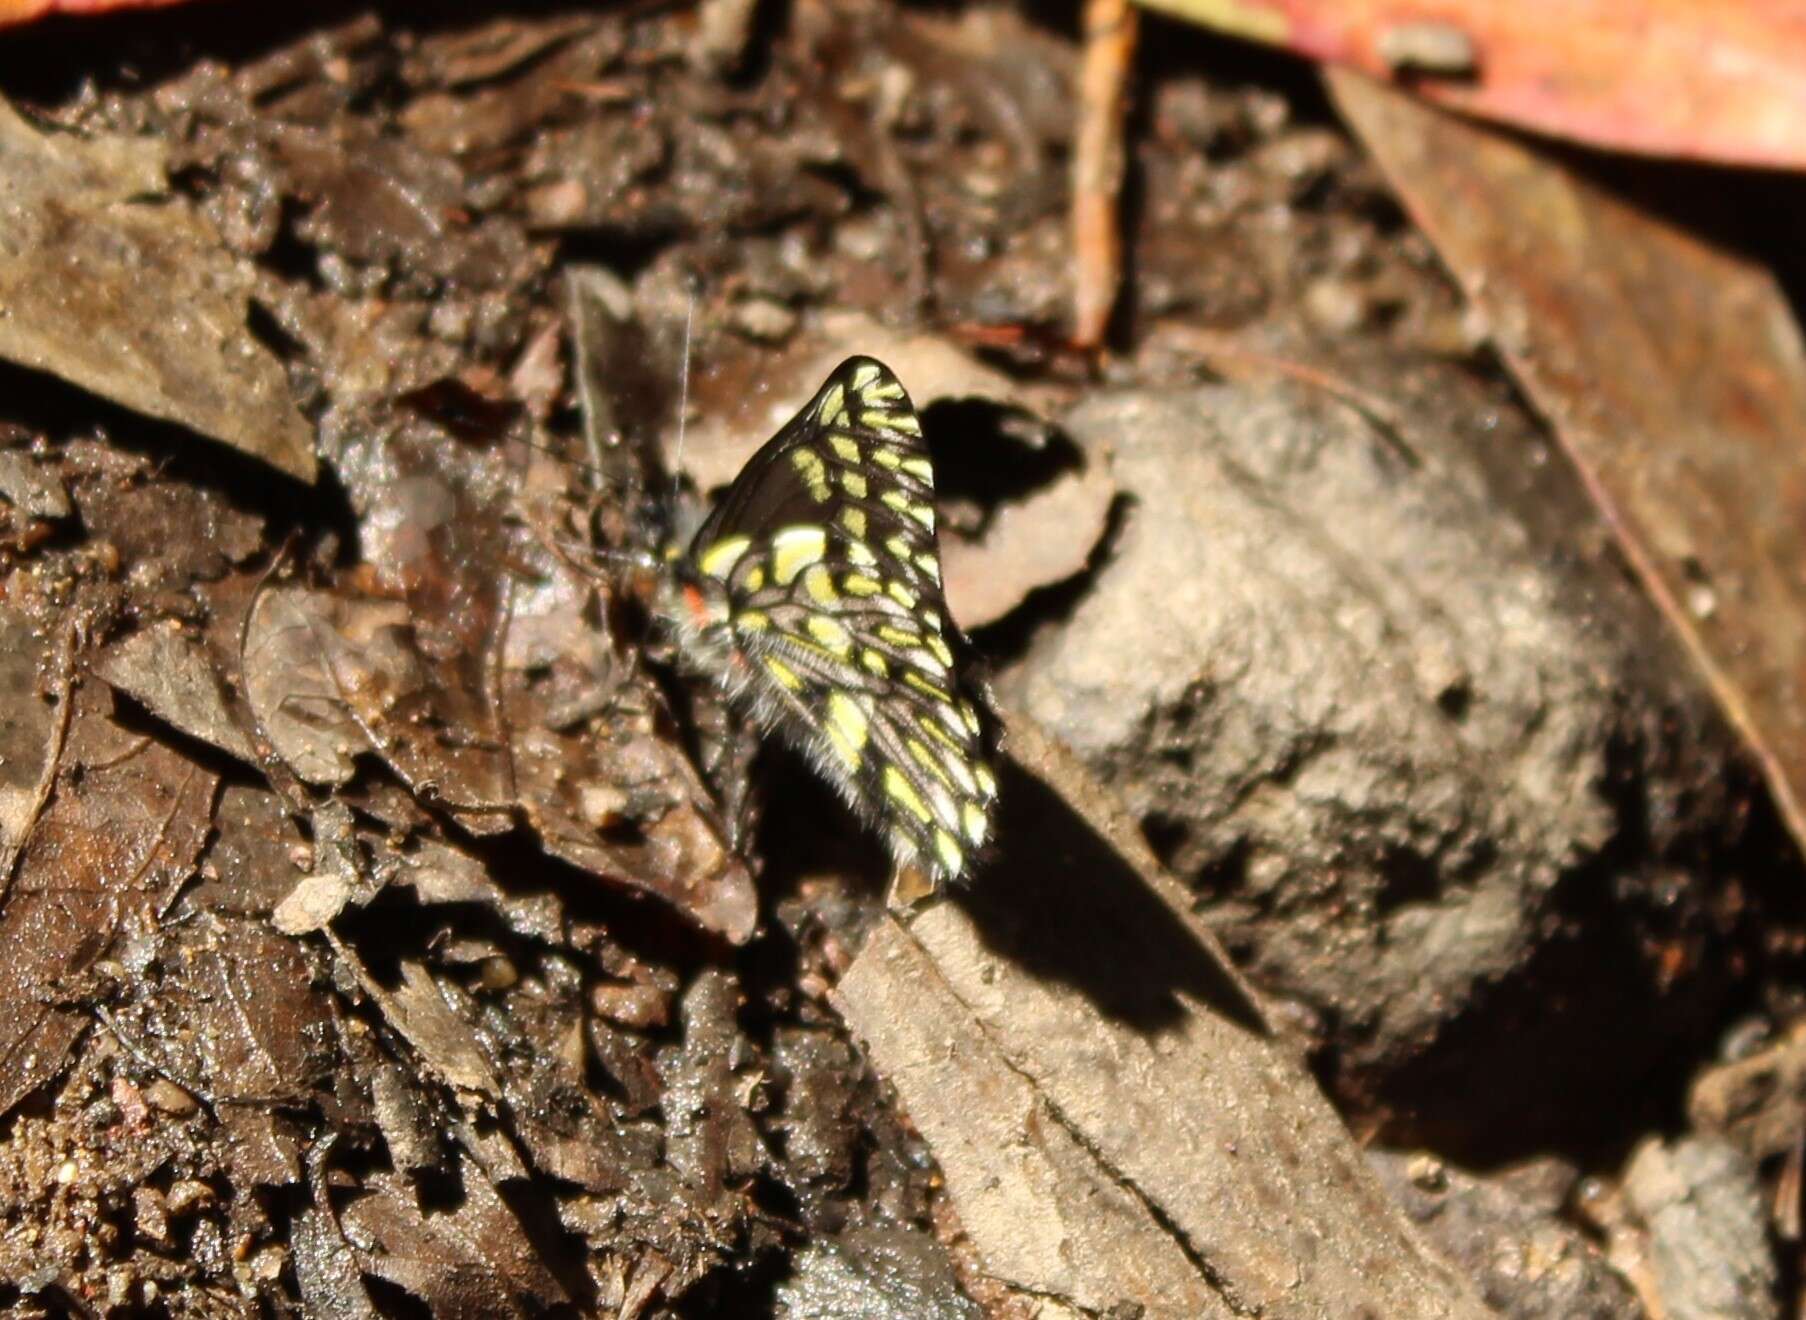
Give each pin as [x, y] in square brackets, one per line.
[683, 394]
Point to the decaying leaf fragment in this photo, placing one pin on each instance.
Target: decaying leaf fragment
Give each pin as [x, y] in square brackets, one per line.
[120, 288]
[331, 678]
[113, 843]
[28, 735]
[175, 681]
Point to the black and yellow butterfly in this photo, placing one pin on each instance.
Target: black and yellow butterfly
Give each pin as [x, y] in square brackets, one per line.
[812, 594]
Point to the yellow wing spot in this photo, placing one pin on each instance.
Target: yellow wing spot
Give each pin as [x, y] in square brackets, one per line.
[931, 621]
[898, 634]
[922, 513]
[919, 467]
[858, 552]
[784, 674]
[755, 577]
[752, 621]
[819, 584]
[887, 458]
[950, 718]
[928, 563]
[795, 548]
[864, 374]
[890, 389]
[837, 740]
[928, 761]
[891, 421]
[719, 559]
[801, 644]
[898, 547]
[948, 851]
[858, 584]
[970, 716]
[904, 794]
[814, 471]
[974, 818]
[987, 782]
[909, 508]
[845, 448]
[901, 594]
[921, 684]
[829, 633]
[942, 651]
[853, 483]
[849, 719]
[834, 406]
[875, 662]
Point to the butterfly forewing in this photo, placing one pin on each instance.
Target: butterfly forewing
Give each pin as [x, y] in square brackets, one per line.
[814, 591]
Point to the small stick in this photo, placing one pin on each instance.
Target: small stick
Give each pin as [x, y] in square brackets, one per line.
[1097, 167]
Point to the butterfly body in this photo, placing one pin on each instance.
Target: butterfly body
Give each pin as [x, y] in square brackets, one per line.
[812, 595]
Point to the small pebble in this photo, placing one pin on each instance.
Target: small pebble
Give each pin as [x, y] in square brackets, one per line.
[764, 320]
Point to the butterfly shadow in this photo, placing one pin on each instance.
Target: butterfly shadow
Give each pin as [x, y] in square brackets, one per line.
[1058, 900]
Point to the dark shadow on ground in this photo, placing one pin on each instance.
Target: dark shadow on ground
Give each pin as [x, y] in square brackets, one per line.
[1058, 900]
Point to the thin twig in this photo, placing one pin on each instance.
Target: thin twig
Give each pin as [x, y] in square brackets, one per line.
[1097, 167]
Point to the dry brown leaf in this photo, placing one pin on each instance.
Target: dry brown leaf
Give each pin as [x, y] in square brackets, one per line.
[120, 837]
[135, 299]
[171, 676]
[1674, 375]
[1670, 77]
[473, 1259]
[1033, 543]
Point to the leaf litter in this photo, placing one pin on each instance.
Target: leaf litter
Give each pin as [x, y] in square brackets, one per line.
[380, 913]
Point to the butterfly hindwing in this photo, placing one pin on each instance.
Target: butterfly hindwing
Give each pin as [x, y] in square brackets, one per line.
[816, 586]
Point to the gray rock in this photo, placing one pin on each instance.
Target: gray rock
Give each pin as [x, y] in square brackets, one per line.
[1527, 1258]
[1350, 698]
[1707, 1252]
[875, 1274]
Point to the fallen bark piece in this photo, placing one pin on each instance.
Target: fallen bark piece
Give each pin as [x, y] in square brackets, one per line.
[1114, 1122]
[1048, 1216]
[1035, 542]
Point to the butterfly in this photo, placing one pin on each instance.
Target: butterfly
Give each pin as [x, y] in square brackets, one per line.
[812, 595]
